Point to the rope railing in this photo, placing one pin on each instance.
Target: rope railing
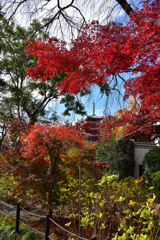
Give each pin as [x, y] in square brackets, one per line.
[66, 230]
[33, 229]
[48, 220]
[6, 211]
[7, 205]
[32, 214]
[29, 213]
[7, 214]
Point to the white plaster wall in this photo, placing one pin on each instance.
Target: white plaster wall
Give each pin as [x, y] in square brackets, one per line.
[139, 153]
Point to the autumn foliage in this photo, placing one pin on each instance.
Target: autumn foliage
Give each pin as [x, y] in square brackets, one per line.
[100, 52]
[38, 159]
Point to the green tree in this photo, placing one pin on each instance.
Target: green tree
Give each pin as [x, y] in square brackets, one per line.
[151, 163]
[72, 104]
[19, 96]
[119, 155]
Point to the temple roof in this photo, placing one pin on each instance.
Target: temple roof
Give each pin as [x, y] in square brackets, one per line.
[95, 116]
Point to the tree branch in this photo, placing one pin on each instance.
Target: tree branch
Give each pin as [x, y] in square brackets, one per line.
[125, 6]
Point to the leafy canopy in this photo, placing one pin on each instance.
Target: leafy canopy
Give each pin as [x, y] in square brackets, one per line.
[100, 52]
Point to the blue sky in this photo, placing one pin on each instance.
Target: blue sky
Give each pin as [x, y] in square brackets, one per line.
[103, 105]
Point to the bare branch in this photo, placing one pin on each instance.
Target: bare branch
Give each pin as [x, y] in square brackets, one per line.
[52, 10]
[20, 3]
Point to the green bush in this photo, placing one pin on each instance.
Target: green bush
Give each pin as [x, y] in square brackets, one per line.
[8, 231]
[120, 156]
[156, 183]
[116, 209]
[151, 164]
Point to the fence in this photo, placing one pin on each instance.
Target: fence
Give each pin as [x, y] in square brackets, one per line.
[47, 227]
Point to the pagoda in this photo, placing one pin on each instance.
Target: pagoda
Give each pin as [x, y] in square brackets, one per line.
[90, 126]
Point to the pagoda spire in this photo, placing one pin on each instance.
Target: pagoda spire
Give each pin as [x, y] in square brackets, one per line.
[93, 107]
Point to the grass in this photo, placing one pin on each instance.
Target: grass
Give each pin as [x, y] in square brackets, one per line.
[8, 231]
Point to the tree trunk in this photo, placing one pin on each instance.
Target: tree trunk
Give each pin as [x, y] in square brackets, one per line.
[52, 172]
[126, 6]
[50, 198]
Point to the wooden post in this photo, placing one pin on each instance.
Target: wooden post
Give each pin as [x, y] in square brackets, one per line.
[47, 227]
[17, 217]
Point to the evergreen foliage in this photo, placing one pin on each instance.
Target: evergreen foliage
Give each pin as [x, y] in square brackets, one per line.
[156, 183]
[120, 156]
[151, 163]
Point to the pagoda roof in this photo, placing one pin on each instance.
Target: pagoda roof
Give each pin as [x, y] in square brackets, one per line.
[95, 116]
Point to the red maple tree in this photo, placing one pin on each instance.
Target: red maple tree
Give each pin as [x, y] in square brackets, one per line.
[100, 52]
[36, 163]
